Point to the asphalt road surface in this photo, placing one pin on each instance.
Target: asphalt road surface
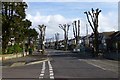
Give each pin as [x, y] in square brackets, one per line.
[62, 65]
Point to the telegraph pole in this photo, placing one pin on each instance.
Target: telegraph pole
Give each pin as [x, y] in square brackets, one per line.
[86, 29]
[87, 34]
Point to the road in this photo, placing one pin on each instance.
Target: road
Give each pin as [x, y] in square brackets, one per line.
[61, 65]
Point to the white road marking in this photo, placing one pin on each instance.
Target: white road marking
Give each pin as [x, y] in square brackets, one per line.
[43, 71]
[37, 62]
[51, 70]
[18, 64]
[51, 77]
[89, 62]
[41, 75]
[97, 66]
[51, 74]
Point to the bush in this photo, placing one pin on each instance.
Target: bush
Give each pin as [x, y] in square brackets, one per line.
[17, 48]
[14, 49]
[10, 50]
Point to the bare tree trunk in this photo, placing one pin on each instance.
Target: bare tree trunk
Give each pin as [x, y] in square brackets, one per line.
[94, 25]
[65, 28]
[96, 44]
[57, 38]
[65, 41]
[76, 31]
[42, 37]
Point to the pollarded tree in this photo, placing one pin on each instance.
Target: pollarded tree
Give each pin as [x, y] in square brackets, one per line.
[94, 25]
[76, 31]
[65, 28]
[42, 29]
[57, 39]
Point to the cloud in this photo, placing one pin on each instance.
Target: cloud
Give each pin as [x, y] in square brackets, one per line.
[52, 22]
[108, 22]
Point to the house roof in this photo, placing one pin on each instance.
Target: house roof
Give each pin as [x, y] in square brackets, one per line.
[108, 34]
[115, 36]
[83, 37]
[91, 36]
[71, 39]
[61, 41]
[118, 34]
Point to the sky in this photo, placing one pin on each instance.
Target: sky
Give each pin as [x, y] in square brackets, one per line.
[54, 13]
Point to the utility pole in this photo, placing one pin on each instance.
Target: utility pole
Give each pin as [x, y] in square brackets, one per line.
[86, 29]
[87, 35]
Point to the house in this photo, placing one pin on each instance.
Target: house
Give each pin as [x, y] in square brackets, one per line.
[106, 39]
[115, 41]
[61, 44]
[113, 46]
[88, 41]
[71, 41]
[83, 40]
[71, 44]
[84, 43]
[91, 38]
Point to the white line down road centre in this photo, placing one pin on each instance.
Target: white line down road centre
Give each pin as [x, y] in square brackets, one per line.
[51, 70]
[42, 74]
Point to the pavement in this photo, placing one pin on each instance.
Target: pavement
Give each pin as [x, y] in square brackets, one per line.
[35, 58]
[21, 61]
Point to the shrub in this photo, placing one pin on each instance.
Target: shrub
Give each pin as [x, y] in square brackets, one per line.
[10, 50]
[14, 49]
[17, 48]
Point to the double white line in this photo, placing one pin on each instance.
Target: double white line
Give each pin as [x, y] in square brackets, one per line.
[42, 71]
[50, 71]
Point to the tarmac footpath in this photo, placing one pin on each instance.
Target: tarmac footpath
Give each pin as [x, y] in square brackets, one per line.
[26, 60]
